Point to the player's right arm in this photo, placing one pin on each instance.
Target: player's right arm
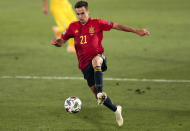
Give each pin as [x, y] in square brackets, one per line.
[64, 37]
[45, 7]
[58, 42]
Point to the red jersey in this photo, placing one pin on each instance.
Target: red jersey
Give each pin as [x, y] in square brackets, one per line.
[88, 39]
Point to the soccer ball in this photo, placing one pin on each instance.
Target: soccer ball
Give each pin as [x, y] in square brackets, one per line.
[73, 104]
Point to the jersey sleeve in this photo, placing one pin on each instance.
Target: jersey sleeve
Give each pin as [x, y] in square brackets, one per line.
[68, 33]
[105, 25]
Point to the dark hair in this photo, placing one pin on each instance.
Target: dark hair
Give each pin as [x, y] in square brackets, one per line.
[81, 3]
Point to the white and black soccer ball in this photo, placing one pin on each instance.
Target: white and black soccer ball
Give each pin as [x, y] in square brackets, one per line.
[73, 104]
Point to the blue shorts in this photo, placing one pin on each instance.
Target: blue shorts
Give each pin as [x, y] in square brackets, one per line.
[88, 71]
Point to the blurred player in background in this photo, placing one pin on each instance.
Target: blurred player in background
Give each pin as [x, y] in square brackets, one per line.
[88, 35]
[63, 15]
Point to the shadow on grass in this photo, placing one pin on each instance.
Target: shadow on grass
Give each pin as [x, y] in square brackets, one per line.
[96, 118]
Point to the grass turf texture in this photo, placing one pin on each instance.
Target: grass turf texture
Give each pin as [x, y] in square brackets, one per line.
[38, 105]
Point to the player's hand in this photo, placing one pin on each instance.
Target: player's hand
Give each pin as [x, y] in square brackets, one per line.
[53, 41]
[45, 10]
[57, 42]
[142, 32]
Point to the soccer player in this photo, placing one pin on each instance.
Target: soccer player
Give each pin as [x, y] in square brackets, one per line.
[88, 35]
[63, 15]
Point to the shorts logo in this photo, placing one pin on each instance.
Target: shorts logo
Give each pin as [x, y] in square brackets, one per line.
[91, 30]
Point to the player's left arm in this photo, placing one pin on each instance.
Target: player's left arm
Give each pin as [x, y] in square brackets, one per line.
[127, 28]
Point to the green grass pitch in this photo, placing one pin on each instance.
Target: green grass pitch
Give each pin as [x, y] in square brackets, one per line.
[38, 104]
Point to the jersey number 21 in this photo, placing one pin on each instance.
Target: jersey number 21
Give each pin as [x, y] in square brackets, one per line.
[83, 39]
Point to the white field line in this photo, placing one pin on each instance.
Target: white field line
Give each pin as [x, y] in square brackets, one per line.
[81, 78]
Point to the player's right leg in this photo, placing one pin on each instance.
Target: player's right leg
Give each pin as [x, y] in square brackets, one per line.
[88, 73]
[97, 63]
[98, 77]
[94, 80]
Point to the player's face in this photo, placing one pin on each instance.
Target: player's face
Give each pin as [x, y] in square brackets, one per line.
[82, 14]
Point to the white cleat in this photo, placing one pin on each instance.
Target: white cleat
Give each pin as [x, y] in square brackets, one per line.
[118, 116]
[101, 97]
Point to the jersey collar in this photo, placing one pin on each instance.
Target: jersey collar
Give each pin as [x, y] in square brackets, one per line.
[89, 19]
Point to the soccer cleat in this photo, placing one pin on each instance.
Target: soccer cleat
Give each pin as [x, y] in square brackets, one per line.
[118, 116]
[101, 97]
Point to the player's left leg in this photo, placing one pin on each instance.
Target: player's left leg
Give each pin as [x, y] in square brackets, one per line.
[116, 109]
